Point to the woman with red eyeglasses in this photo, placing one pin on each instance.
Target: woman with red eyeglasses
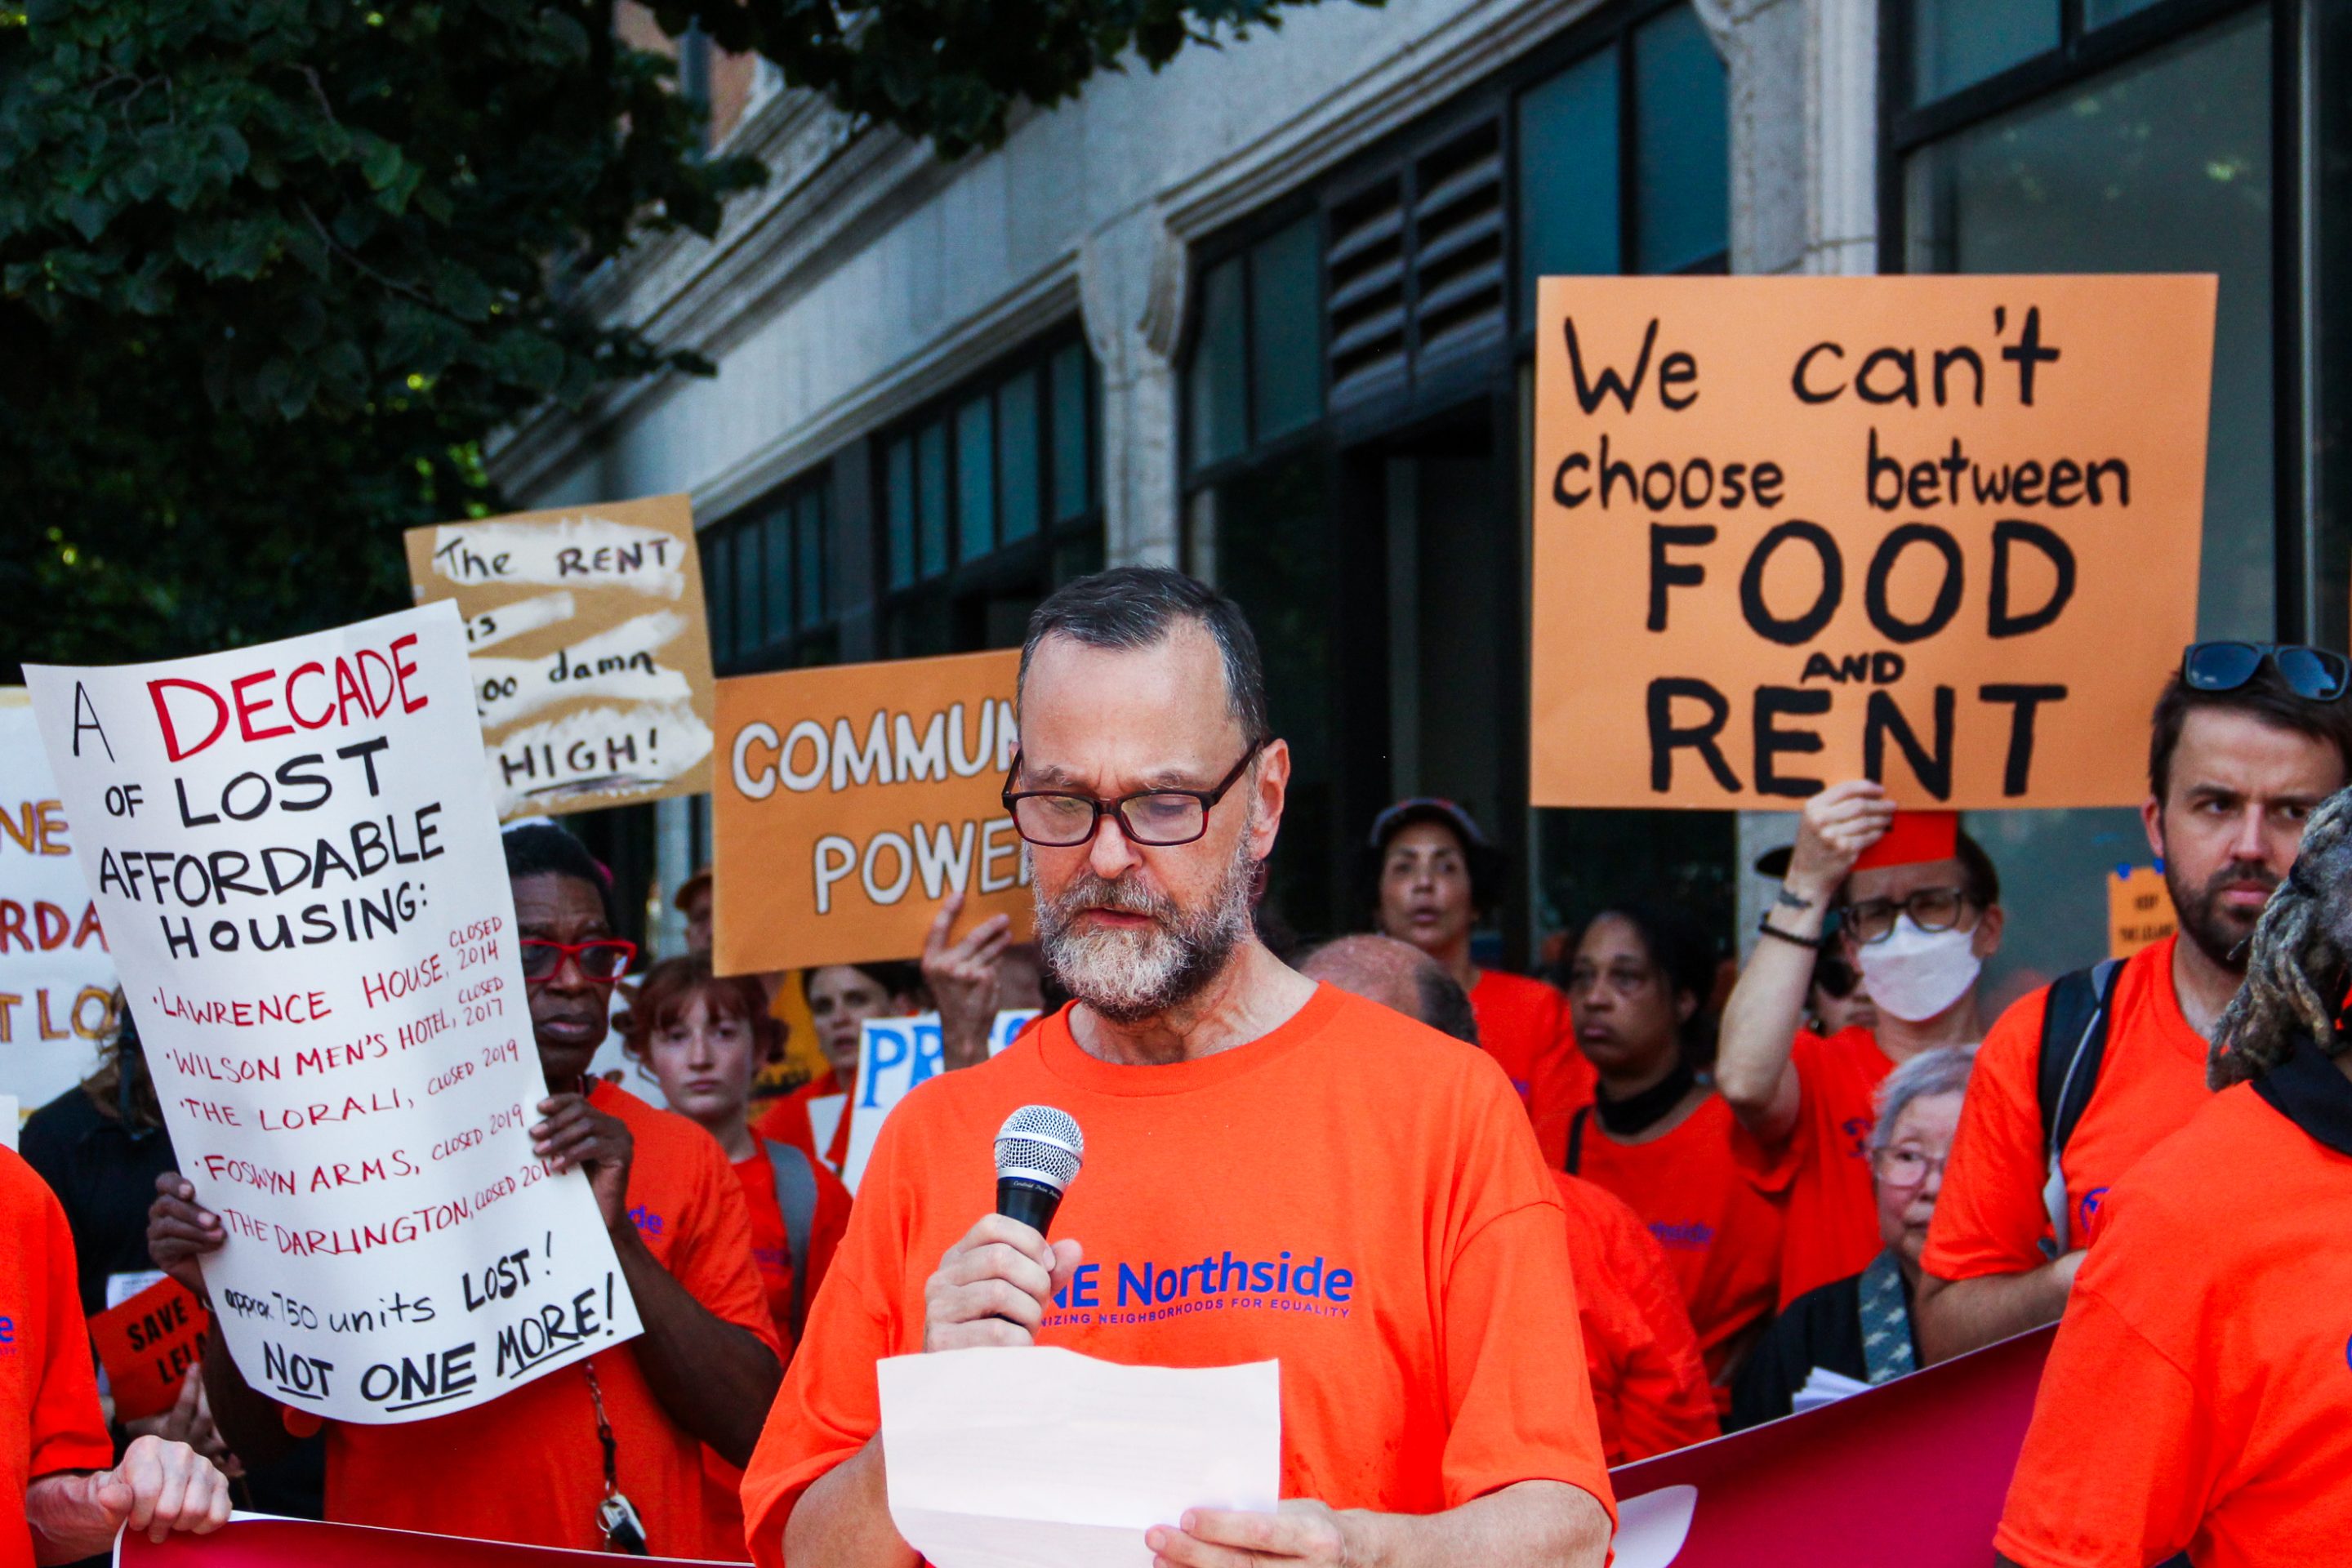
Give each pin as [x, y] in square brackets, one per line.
[658, 1423]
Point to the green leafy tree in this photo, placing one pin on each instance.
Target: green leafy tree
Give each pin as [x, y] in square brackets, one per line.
[272, 271]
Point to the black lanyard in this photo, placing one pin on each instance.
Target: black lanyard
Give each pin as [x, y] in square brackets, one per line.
[616, 1517]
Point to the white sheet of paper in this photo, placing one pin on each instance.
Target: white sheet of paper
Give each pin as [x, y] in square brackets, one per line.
[1823, 1386]
[1046, 1458]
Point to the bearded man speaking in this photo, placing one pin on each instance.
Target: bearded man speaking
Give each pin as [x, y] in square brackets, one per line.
[1273, 1168]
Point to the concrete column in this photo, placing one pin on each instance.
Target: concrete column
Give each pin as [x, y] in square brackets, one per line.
[1804, 199]
[1131, 294]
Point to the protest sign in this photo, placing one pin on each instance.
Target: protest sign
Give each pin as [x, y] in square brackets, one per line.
[2139, 909]
[293, 850]
[588, 650]
[1941, 532]
[147, 1344]
[853, 799]
[1845, 1484]
[894, 1055]
[56, 980]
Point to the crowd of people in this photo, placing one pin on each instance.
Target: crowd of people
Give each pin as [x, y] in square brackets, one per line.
[1743, 1192]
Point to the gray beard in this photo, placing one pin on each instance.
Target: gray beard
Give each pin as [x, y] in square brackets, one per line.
[1127, 976]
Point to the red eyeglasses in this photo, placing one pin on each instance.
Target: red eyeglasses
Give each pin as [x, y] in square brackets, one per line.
[601, 961]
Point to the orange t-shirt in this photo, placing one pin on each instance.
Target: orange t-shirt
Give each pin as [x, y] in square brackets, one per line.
[525, 1467]
[1990, 1217]
[787, 1121]
[2198, 1396]
[1649, 1386]
[1722, 1240]
[49, 1416]
[1820, 1178]
[772, 1250]
[1354, 1194]
[1524, 1024]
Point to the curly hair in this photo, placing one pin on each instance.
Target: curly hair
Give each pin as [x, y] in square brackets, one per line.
[2301, 960]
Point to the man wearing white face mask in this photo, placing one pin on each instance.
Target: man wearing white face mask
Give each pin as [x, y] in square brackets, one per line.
[1918, 906]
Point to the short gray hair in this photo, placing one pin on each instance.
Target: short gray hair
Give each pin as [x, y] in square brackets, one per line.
[1924, 1076]
[1134, 607]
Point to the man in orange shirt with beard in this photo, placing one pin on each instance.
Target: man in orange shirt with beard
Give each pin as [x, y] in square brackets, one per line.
[2247, 741]
[1436, 874]
[1357, 1193]
[2195, 1399]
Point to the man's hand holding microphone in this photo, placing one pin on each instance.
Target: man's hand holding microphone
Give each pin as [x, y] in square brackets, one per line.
[992, 1287]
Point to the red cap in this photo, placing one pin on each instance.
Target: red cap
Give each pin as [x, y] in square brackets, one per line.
[1913, 838]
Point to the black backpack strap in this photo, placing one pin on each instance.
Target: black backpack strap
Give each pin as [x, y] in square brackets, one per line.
[1576, 1140]
[2074, 1022]
[796, 1179]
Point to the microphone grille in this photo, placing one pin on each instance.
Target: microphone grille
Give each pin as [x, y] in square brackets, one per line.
[1041, 1143]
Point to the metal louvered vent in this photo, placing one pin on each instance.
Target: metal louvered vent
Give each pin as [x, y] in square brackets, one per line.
[1416, 268]
[1457, 245]
[1366, 269]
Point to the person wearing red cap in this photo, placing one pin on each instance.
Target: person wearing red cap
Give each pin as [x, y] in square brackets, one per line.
[2248, 740]
[1918, 912]
[1435, 875]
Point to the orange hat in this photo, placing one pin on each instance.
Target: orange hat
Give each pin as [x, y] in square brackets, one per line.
[1913, 838]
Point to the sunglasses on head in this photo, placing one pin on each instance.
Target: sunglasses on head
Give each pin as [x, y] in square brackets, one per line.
[2313, 674]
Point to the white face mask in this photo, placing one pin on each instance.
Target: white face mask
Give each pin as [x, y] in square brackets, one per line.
[1915, 975]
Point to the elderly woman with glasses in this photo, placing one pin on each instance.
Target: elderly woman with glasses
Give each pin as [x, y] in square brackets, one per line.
[1860, 1327]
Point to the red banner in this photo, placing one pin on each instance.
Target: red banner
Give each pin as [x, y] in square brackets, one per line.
[1911, 1474]
[262, 1543]
[1908, 1476]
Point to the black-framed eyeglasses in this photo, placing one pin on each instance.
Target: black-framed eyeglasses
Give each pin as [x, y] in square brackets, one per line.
[1155, 818]
[2311, 673]
[1931, 909]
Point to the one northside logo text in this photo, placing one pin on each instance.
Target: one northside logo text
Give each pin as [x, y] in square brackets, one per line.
[1122, 1292]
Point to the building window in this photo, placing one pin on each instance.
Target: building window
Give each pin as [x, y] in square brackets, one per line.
[2141, 136]
[1354, 399]
[989, 499]
[2163, 162]
[764, 572]
[1257, 370]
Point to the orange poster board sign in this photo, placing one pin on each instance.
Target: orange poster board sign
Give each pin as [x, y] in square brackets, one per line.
[2139, 909]
[852, 800]
[1939, 532]
[587, 647]
[147, 1345]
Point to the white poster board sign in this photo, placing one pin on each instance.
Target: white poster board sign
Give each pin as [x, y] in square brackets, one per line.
[295, 855]
[894, 1055]
[57, 981]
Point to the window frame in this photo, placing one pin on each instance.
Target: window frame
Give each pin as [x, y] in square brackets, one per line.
[1006, 565]
[2309, 551]
[1396, 156]
[723, 542]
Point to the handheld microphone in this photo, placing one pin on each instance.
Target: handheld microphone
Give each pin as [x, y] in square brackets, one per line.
[1038, 1151]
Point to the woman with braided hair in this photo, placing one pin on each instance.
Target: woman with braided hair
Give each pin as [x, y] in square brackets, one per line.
[2198, 1399]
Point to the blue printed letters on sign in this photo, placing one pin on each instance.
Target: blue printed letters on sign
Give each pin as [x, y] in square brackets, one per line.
[901, 1043]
